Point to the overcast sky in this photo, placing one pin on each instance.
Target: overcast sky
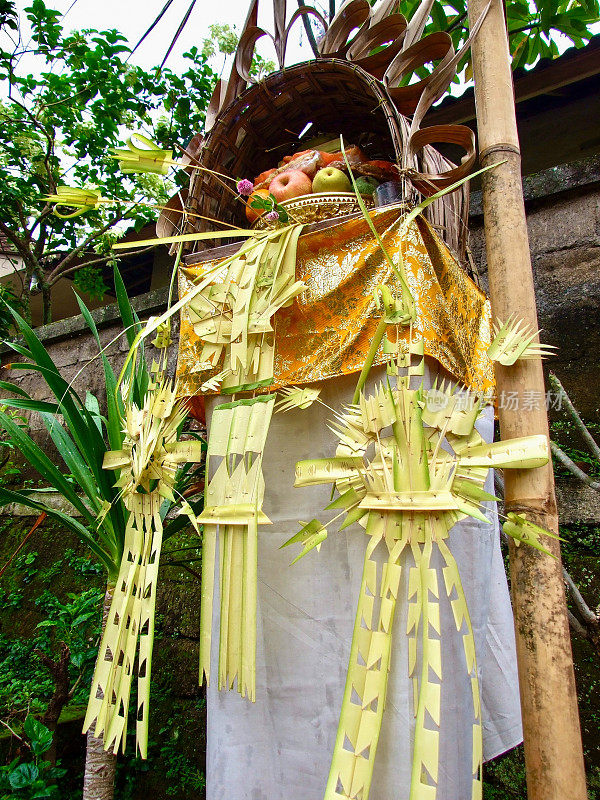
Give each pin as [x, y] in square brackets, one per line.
[133, 17]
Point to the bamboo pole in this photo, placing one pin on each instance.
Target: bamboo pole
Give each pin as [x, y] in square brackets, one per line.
[553, 751]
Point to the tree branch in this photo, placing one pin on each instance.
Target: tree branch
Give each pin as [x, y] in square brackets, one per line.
[60, 267]
[573, 468]
[593, 446]
[577, 626]
[586, 612]
[525, 28]
[93, 262]
[456, 22]
[45, 212]
[21, 246]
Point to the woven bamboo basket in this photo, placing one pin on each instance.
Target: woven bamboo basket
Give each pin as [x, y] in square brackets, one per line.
[263, 124]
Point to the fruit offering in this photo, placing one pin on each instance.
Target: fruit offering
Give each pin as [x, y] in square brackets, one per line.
[312, 172]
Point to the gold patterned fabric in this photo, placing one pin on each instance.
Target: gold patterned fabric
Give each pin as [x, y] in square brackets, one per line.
[328, 329]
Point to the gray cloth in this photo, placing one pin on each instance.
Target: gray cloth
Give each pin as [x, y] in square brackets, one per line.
[280, 747]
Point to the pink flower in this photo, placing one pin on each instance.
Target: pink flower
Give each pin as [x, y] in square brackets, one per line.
[272, 216]
[245, 187]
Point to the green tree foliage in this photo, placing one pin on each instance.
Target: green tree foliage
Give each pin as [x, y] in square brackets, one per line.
[533, 26]
[34, 777]
[57, 126]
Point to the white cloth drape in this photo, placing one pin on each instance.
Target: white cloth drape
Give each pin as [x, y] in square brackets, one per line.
[280, 747]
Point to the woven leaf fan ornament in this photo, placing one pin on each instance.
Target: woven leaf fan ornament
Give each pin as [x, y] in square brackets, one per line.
[409, 465]
[516, 340]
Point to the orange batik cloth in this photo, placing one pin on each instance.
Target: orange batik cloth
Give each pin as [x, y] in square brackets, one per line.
[328, 329]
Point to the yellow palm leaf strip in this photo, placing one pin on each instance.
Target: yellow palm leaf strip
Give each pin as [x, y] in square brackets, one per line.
[223, 313]
[526, 452]
[415, 606]
[117, 731]
[215, 493]
[225, 549]
[378, 665]
[341, 773]
[234, 570]
[407, 300]
[218, 443]
[226, 546]
[102, 702]
[374, 347]
[250, 571]
[462, 620]
[426, 743]
[417, 447]
[209, 549]
[256, 436]
[241, 310]
[149, 572]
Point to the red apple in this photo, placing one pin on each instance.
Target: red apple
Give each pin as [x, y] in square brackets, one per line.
[289, 184]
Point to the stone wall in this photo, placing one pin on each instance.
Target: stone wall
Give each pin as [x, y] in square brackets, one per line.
[563, 219]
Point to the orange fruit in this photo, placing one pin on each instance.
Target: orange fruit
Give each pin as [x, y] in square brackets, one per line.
[253, 214]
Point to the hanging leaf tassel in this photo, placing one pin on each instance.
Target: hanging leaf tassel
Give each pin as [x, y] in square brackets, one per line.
[231, 517]
[148, 462]
[462, 619]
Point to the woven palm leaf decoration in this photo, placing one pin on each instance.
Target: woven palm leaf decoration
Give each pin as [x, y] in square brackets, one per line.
[147, 464]
[232, 514]
[232, 315]
[409, 465]
[515, 340]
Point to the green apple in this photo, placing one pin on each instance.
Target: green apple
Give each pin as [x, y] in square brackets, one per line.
[330, 179]
[366, 185]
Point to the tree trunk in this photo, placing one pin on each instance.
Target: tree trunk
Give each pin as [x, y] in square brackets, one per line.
[46, 304]
[100, 765]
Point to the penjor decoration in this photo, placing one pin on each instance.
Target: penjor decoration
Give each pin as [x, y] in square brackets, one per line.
[410, 462]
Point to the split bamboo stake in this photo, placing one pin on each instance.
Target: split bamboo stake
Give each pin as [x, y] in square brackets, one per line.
[553, 752]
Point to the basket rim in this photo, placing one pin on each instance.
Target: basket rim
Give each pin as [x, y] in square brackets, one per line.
[335, 64]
